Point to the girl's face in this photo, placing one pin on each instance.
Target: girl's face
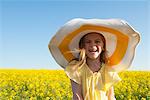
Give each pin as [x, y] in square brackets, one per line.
[93, 45]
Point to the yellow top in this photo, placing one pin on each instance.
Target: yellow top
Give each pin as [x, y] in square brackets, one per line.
[94, 84]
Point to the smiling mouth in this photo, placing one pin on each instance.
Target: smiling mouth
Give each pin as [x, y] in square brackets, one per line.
[93, 51]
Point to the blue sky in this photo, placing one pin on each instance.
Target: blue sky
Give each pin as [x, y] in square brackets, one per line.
[27, 27]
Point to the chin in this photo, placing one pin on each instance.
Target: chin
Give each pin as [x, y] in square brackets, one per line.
[93, 58]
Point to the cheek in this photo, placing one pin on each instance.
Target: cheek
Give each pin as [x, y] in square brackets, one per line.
[100, 48]
[101, 45]
[86, 49]
[85, 46]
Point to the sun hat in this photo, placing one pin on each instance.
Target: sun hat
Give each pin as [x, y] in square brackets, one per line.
[121, 40]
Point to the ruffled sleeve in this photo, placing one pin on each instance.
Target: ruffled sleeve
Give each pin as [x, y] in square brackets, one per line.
[73, 71]
[111, 78]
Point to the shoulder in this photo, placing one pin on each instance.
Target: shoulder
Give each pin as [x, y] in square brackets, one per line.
[109, 68]
[75, 65]
[74, 71]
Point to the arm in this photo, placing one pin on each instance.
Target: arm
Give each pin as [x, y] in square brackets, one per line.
[110, 94]
[77, 91]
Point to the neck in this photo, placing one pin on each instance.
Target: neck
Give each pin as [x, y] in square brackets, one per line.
[94, 64]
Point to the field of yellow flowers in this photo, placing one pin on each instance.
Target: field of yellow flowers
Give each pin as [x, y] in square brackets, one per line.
[54, 85]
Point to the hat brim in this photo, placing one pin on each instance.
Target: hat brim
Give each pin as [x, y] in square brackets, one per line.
[121, 40]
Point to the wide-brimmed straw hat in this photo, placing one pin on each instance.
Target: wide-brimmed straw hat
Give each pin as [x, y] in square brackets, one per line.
[121, 40]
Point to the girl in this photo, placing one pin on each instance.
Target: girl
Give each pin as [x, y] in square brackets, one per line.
[93, 46]
[101, 53]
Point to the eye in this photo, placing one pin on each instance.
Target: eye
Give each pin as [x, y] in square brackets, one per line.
[87, 41]
[98, 41]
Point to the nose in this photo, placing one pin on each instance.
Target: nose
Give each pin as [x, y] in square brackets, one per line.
[93, 45]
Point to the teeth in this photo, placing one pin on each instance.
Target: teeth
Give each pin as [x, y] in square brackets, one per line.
[94, 51]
